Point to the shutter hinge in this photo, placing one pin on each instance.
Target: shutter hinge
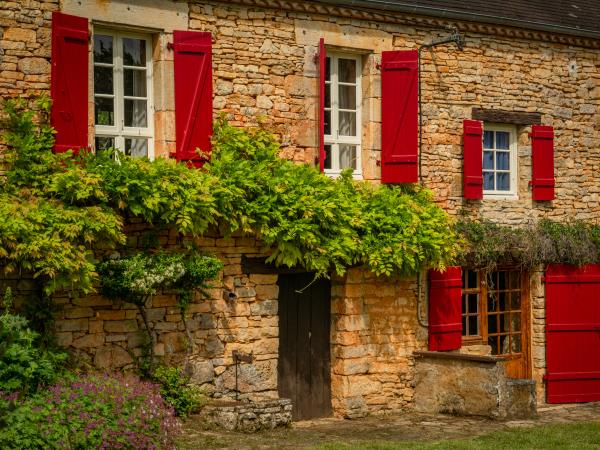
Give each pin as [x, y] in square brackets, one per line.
[170, 46]
[378, 163]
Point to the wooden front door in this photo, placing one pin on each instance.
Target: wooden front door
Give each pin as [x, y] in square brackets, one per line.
[496, 313]
[304, 344]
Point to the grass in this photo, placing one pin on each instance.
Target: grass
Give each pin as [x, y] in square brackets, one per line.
[578, 436]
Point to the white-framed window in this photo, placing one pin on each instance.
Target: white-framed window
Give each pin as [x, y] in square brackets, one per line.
[343, 113]
[123, 109]
[499, 161]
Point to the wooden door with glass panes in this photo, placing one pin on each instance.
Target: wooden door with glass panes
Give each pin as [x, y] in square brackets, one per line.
[495, 312]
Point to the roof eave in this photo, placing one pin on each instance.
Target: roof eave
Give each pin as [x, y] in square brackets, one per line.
[459, 15]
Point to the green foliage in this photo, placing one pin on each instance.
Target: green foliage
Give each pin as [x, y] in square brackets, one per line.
[24, 365]
[91, 412]
[488, 244]
[61, 207]
[176, 390]
[308, 219]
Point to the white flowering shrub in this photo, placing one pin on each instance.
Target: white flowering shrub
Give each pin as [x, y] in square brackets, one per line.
[136, 278]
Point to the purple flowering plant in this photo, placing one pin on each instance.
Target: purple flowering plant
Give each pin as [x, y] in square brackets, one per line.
[94, 411]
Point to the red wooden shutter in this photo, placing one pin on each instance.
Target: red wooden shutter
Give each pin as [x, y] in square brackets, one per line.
[542, 162]
[69, 82]
[472, 159]
[572, 333]
[445, 310]
[322, 67]
[399, 116]
[193, 94]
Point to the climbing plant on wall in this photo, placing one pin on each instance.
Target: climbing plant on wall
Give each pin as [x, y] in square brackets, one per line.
[61, 208]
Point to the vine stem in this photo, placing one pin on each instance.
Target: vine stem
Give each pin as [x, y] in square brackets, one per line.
[142, 308]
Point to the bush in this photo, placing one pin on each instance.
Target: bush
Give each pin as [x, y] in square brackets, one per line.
[24, 366]
[177, 392]
[94, 412]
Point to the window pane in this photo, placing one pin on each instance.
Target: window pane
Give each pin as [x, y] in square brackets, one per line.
[492, 324]
[488, 139]
[347, 156]
[473, 326]
[515, 322]
[488, 181]
[502, 182]
[473, 279]
[347, 70]
[327, 96]
[103, 49]
[104, 143]
[473, 303]
[493, 342]
[504, 324]
[137, 148]
[135, 113]
[327, 163]
[502, 276]
[502, 160]
[515, 301]
[504, 349]
[103, 80]
[347, 97]
[515, 343]
[488, 160]
[514, 280]
[465, 331]
[104, 111]
[492, 303]
[134, 82]
[327, 69]
[327, 124]
[134, 52]
[502, 301]
[347, 124]
[502, 141]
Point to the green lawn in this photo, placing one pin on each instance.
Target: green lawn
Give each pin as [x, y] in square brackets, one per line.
[579, 436]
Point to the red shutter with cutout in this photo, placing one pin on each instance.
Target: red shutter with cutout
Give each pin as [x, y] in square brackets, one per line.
[445, 309]
[399, 116]
[473, 159]
[193, 94]
[542, 162]
[322, 67]
[69, 82]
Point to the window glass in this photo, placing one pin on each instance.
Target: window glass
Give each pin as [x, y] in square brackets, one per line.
[134, 52]
[342, 113]
[103, 49]
[500, 312]
[122, 100]
[104, 111]
[499, 175]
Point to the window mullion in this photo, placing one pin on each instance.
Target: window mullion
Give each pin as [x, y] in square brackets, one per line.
[119, 107]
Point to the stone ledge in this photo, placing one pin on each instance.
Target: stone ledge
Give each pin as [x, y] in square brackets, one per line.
[459, 356]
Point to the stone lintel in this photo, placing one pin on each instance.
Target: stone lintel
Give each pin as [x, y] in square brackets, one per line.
[505, 116]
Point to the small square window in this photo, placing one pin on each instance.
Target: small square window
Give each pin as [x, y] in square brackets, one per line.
[500, 161]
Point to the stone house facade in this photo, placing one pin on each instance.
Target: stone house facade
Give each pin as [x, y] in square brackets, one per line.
[267, 64]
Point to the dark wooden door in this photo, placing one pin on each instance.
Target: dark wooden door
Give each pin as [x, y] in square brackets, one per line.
[304, 350]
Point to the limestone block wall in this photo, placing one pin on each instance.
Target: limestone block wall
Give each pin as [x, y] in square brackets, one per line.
[239, 314]
[373, 334]
[25, 47]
